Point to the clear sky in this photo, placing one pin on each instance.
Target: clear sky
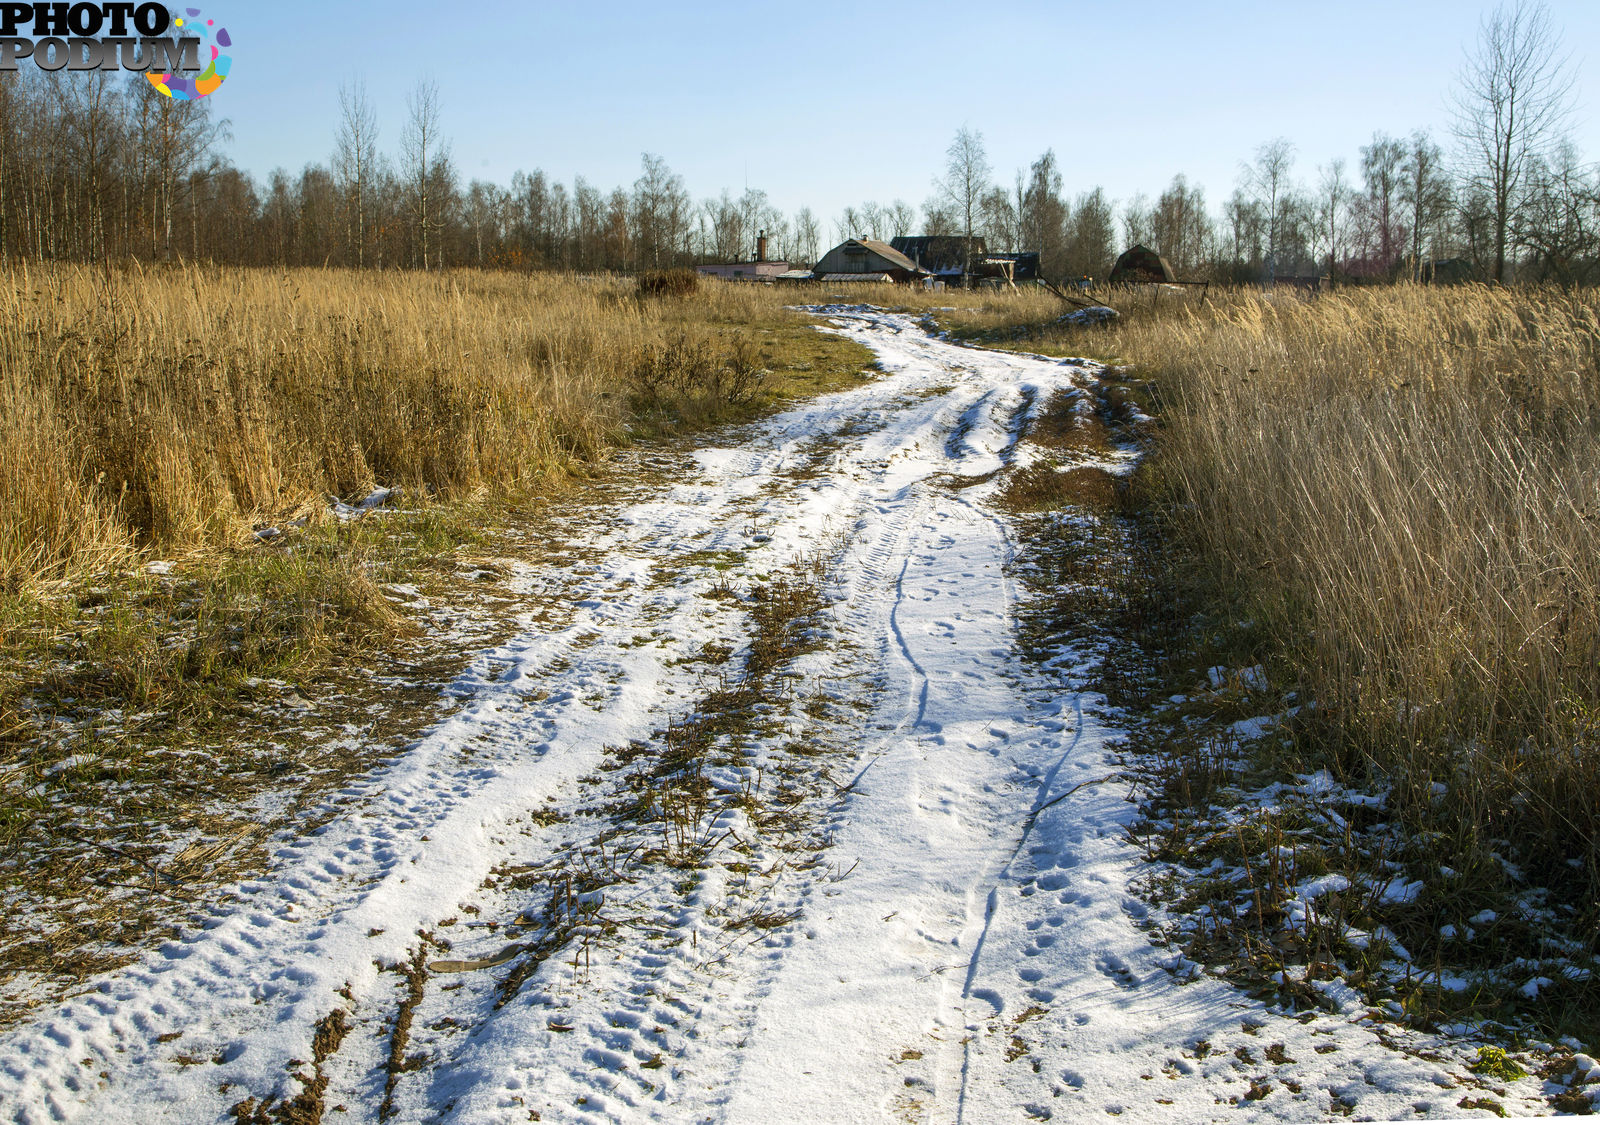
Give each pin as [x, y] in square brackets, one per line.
[825, 104]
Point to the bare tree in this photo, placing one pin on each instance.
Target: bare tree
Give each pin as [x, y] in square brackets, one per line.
[485, 204]
[1043, 217]
[1425, 193]
[661, 208]
[93, 120]
[355, 159]
[1244, 221]
[1382, 231]
[1512, 104]
[1181, 227]
[725, 233]
[806, 236]
[938, 218]
[175, 137]
[1332, 200]
[424, 154]
[901, 217]
[1136, 221]
[849, 224]
[966, 180]
[999, 218]
[1559, 221]
[1269, 178]
[9, 106]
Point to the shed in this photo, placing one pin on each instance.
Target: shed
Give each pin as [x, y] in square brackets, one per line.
[743, 271]
[1024, 264]
[1450, 271]
[941, 253]
[1141, 264]
[867, 256]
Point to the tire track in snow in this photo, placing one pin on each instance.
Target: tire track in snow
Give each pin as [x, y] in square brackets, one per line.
[923, 580]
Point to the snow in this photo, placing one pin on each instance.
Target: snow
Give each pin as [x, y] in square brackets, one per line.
[1093, 314]
[374, 500]
[1253, 678]
[954, 938]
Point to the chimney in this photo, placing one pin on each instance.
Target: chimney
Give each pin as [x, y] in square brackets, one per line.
[761, 247]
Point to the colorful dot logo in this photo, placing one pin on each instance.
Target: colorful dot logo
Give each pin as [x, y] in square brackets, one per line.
[191, 26]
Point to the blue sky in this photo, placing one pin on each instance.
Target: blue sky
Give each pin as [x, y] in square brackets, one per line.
[825, 104]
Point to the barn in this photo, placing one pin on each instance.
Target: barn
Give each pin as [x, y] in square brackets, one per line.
[866, 259]
[1141, 264]
[944, 254]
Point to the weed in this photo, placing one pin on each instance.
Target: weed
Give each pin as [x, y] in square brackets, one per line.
[668, 283]
[1493, 1062]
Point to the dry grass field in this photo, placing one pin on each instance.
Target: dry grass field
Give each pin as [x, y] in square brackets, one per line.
[1390, 498]
[179, 408]
[177, 413]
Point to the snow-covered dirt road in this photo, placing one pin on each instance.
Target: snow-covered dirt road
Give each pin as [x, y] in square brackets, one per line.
[778, 827]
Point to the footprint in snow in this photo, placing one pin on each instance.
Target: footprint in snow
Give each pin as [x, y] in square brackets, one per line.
[1117, 970]
[992, 997]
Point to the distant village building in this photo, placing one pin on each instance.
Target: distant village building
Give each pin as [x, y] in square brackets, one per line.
[1141, 264]
[744, 271]
[866, 259]
[946, 255]
[954, 257]
[758, 270]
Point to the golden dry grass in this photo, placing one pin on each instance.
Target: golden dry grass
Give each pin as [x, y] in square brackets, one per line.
[1399, 488]
[177, 407]
[1404, 485]
[1391, 499]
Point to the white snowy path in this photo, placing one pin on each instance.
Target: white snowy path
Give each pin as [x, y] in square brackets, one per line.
[970, 950]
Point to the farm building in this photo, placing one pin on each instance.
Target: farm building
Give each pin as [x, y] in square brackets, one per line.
[1141, 264]
[1024, 265]
[858, 258]
[941, 253]
[744, 271]
[953, 256]
[760, 269]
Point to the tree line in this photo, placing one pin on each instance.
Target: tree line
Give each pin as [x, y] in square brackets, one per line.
[93, 166]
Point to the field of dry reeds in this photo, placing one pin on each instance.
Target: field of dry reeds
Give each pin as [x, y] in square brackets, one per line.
[1401, 489]
[177, 408]
[1391, 497]
[1402, 485]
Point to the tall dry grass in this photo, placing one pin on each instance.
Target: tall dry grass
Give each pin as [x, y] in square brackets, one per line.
[1398, 490]
[1401, 487]
[177, 407]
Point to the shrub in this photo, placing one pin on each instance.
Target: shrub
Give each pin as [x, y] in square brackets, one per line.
[668, 283]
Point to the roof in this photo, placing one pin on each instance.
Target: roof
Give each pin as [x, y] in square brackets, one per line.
[1140, 263]
[888, 253]
[940, 252]
[840, 278]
